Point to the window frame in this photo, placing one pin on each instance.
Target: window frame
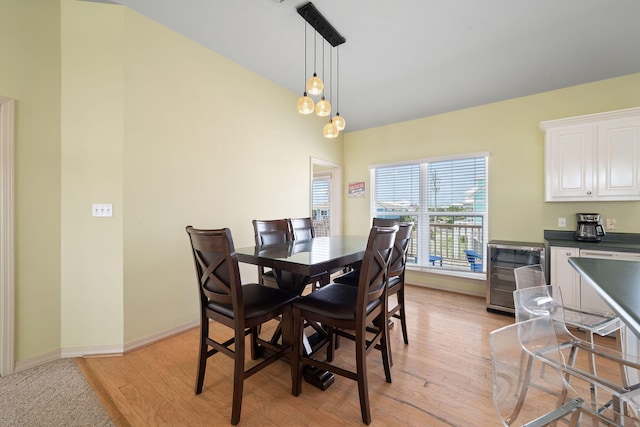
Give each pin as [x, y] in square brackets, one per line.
[424, 216]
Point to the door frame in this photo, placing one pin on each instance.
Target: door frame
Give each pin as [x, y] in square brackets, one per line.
[335, 202]
[7, 238]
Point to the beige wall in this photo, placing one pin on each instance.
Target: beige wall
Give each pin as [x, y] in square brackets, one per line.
[92, 172]
[113, 108]
[156, 125]
[30, 73]
[510, 132]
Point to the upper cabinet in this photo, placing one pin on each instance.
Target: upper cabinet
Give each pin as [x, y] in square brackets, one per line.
[593, 157]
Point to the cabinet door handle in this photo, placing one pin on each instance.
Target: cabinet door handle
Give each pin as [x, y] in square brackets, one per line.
[569, 254]
[588, 193]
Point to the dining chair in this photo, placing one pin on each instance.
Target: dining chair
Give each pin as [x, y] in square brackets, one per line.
[536, 301]
[346, 311]
[243, 308]
[396, 276]
[302, 228]
[591, 322]
[530, 386]
[268, 232]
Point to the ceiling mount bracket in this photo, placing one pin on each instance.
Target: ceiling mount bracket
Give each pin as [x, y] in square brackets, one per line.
[321, 25]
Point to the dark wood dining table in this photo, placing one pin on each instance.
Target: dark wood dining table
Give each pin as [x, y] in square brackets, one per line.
[296, 264]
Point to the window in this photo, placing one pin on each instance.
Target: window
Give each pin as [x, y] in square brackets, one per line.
[446, 199]
[320, 204]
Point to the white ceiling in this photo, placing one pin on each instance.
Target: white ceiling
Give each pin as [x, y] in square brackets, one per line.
[423, 57]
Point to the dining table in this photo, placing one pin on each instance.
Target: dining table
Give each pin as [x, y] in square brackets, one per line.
[297, 263]
[617, 282]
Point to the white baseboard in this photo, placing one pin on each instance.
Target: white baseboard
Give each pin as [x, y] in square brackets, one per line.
[159, 336]
[37, 361]
[92, 351]
[102, 350]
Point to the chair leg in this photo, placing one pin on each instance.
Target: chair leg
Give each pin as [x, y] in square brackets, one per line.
[202, 355]
[238, 376]
[361, 376]
[296, 367]
[403, 320]
[255, 348]
[385, 348]
[331, 337]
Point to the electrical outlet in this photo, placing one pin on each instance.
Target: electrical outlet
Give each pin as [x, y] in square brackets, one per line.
[611, 223]
[562, 222]
[102, 209]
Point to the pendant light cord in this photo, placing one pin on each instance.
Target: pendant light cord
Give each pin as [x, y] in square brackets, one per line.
[304, 80]
[338, 79]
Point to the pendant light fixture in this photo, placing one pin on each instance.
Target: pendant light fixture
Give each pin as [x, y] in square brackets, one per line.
[305, 103]
[338, 120]
[323, 107]
[330, 130]
[314, 86]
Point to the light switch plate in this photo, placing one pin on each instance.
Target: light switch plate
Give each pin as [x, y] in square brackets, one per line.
[102, 209]
[562, 222]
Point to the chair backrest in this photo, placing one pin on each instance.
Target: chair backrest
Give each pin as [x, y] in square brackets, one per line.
[534, 301]
[302, 228]
[400, 247]
[268, 232]
[529, 275]
[216, 268]
[372, 284]
[384, 222]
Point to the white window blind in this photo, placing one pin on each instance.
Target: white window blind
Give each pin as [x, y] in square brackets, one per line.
[321, 204]
[446, 199]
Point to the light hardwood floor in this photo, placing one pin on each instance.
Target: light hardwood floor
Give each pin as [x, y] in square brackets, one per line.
[442, 378]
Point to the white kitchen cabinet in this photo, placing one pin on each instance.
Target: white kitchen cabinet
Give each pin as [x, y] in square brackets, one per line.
[564, 279]
[593, 157]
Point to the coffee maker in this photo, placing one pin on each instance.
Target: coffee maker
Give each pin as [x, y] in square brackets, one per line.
[589, 227]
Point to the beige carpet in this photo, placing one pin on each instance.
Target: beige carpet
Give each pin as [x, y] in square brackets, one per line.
[53, 394]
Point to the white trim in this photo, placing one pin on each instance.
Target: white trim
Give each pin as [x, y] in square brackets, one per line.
[159, 336]
[431, 159]
[37, 361]
[92, 351]
[590, 118]
[7, 238]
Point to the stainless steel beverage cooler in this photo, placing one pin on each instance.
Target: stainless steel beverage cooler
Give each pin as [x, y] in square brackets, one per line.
[504, 257]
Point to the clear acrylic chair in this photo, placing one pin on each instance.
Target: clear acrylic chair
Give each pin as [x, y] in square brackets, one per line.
[591, 322]
[530, 381]
[600, 368]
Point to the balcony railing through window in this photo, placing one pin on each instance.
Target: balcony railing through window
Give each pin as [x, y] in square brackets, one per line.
[455, 242]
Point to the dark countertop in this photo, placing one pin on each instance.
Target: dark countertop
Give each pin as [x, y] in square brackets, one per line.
[617, 282]
[617, 242]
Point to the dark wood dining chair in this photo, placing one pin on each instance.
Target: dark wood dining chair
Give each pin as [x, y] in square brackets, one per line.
[397, 269]
[268, 232]
[346, 311]
[302, 228]
[240, 307]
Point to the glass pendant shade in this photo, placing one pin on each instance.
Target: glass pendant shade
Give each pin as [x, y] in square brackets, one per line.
[330, 130]
[305, 104]
[323, 108]
[315, 85]
[339, 121]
